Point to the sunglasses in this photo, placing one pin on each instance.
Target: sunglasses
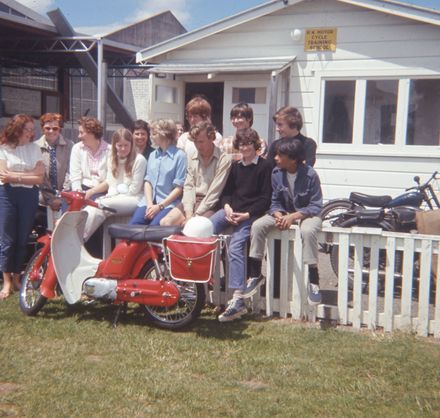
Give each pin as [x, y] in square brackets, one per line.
[243, 144]
[50, 128]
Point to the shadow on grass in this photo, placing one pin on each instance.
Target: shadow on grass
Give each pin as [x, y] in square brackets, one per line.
[206, 326]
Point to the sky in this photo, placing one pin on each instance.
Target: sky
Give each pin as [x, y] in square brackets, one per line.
[94, 17]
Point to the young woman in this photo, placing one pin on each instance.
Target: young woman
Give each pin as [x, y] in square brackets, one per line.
[165, 176]
[141, 135]
[21, 170]
[123, 184]
[88, 160]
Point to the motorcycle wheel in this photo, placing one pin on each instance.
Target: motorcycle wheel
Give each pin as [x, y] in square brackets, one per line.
[332, 211]
[184, 312]
[331, 215]
[30, 299]
[334, 261]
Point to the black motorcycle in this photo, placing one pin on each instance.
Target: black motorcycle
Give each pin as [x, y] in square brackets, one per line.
[389, 214]
[414, 197]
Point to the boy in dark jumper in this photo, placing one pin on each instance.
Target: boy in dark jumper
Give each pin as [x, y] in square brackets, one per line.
[246, 197]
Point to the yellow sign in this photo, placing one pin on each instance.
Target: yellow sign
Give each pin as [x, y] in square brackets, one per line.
[320, 39]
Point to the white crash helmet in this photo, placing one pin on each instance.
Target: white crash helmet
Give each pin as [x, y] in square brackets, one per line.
[198, 227]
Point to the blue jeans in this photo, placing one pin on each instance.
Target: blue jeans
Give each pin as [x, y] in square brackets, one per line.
[18, 206]
[236, 250]
[138, 217]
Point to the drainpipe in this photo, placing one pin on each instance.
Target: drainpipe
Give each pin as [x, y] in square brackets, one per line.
[100, 111]
[272, 106]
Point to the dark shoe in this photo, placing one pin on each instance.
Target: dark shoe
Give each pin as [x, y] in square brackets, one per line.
[252, 285]
[235, 310]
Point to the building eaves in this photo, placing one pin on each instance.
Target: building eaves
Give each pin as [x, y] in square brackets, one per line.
[26, 11]
[22, 22]
[398, 8]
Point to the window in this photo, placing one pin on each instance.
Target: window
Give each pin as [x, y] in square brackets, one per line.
[24, 90]
[423, 127]
[339, 111]
[380, 111]
[17, 100]
[166, 94]
[251, 95]
[371, 112]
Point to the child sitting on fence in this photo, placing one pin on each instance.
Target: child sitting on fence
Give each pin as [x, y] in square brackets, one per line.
[246, 196]
[296, 197]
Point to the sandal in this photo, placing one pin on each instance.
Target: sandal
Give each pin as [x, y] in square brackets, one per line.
[5, 294]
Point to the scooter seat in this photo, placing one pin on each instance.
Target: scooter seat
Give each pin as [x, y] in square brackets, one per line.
[142, 232]
[369, 200]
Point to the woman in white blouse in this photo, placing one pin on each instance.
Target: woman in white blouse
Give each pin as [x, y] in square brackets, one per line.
[88, 160]
[21, 170]
[123, 184]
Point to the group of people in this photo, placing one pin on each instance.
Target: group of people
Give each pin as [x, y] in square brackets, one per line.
[160, 176]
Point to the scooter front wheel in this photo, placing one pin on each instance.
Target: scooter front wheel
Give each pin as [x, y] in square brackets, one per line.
[31, 300]
[184, 312]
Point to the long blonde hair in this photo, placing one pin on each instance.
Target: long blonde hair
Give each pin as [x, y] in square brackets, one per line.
[116, 137]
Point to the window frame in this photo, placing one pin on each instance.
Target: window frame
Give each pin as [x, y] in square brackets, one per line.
[399, 148]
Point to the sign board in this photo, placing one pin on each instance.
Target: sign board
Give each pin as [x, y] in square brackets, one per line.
[320, 39]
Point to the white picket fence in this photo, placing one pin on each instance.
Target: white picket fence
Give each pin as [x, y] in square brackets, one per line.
[393, 300]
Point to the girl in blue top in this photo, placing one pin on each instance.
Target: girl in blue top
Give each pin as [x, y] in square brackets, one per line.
[166, 172]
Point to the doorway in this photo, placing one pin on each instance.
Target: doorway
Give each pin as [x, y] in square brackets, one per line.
[213, 92]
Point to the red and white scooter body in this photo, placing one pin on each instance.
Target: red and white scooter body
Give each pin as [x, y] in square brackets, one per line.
[73, 264]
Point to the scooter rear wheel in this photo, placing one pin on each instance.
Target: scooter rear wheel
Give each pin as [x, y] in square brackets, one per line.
[31, 300]
[184, 312]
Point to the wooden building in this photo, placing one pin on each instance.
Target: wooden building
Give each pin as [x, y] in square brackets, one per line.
[365, 74]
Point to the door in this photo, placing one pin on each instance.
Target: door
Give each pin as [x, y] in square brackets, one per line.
[167, 99]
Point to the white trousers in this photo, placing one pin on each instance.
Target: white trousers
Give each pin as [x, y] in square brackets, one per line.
[123, 204]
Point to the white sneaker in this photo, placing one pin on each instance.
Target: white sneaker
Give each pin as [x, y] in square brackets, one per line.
[313, 294]
[235, 310]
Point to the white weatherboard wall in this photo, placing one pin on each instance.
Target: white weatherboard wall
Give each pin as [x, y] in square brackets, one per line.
[370, 44]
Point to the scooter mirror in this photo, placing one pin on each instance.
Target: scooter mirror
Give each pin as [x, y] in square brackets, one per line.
[417, 179]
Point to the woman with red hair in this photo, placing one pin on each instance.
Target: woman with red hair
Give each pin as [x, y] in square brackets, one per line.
[21, 170]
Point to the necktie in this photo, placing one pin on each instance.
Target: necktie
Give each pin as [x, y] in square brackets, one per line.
[53, 166]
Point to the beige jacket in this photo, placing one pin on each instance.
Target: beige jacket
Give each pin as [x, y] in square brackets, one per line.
[64, 149]
[205, 182]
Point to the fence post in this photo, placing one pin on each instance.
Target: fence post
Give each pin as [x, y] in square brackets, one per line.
[299, 294]
[424, 287]
[373, 282]
[344, 242]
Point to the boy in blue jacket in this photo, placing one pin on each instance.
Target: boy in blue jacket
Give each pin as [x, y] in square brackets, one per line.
[296, 197]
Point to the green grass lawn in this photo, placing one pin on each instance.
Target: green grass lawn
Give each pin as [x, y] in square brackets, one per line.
[68, 362]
